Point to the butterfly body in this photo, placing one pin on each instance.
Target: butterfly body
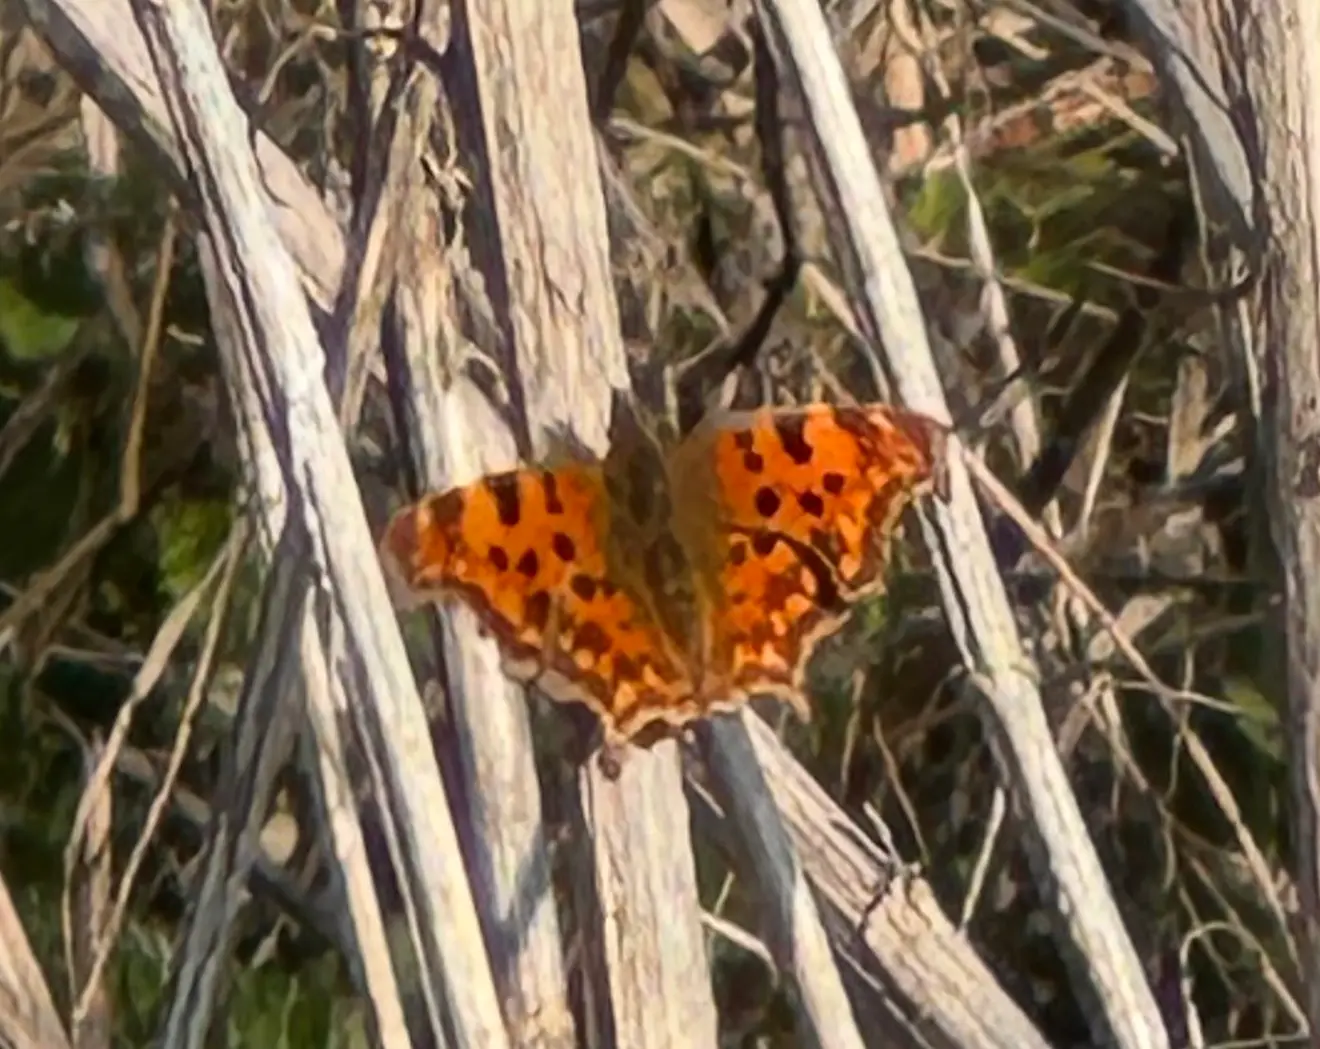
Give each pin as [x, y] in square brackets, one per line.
[662, 587]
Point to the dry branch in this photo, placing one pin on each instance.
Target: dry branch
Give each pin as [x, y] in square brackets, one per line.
[1267, 62]
[537, 231]
[911, 967]
[28, 1019]
[441, 414]
[275, 357]
[1108, 972]
[644, 910]
[89, 935]
[794, 928]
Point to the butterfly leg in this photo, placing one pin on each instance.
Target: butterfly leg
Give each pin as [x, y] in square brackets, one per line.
[610, 760]
[696, 384]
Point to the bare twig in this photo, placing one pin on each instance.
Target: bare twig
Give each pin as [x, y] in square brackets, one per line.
[899, 953]
[28, 1019]
[227, 565]
[1103, 960]
[86, 943]
[450, 433]
[274, 364]
[537, 232]
[793, 927]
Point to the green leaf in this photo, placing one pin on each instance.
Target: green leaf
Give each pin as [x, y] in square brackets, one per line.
[29, 333]
[190, 533]
[1258, 719]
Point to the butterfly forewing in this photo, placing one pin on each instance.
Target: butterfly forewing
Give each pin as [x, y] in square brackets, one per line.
[833, 479]
[807, 500]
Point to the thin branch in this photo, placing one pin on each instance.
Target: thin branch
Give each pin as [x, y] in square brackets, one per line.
[1100, 954]
[370, 685]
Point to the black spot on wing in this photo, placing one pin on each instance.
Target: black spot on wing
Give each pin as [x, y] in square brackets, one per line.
[591, 637]
[811, 503]
[508, 502]
[625, 669]
[767, 501]
[833, 482]
[446, 509]
[550, 489]
[498, 557]
[815, 580]
[791, 431]
[826, 593]
[823, 541]
[529, 564]
[564, 547]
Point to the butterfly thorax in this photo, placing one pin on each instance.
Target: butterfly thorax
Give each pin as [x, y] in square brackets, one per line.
[661, 534]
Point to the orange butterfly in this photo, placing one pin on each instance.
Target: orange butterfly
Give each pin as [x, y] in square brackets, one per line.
[658, 597]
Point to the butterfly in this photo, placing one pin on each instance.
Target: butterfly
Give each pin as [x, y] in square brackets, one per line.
[661, 588]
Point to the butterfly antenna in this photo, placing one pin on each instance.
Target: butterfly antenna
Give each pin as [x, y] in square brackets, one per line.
[701, 384]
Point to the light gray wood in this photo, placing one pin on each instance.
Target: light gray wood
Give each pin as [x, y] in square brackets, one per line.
[1269, 59]
[918, 971]
[536, 226]
[362, 655]
[456, 438]
[1104, 964]
[650, 943]
[791, 921]
[548, 207]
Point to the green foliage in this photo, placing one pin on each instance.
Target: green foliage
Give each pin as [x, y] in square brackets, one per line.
[190, 533]
[28, 332]
[41, 493]
[288, 1009]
